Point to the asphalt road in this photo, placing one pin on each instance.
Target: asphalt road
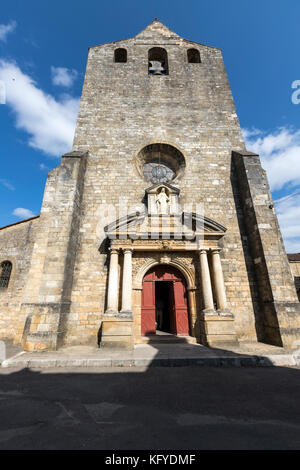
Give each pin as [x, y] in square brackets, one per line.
[159, 408]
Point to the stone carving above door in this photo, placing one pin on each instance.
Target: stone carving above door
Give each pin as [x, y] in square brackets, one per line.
[163, 219]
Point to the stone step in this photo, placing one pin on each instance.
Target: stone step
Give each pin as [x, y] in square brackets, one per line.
[167, 339]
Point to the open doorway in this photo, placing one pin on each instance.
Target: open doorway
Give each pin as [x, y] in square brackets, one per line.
[164, 306]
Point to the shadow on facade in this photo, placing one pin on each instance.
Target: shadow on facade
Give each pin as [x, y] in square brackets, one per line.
[257, 302]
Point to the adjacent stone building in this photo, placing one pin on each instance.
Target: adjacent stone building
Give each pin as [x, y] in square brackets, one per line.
[158, 223]
[294, 260]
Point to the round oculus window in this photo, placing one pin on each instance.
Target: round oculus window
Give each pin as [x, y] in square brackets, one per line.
[160, 163]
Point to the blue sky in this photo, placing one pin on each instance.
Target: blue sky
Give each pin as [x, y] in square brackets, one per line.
[43, 52]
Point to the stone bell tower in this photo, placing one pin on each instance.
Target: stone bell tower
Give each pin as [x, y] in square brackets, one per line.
[157, 134]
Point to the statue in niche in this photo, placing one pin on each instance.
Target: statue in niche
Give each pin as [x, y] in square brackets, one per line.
[162, 202]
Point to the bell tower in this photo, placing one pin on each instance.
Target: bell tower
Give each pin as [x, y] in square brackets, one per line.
[157, 131]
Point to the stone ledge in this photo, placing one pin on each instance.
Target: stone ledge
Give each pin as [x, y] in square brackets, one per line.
[75, 154]
[213, 361]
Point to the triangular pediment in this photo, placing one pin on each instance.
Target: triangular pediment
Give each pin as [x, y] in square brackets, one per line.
[158, 186]
[142, 225]
[156, 30]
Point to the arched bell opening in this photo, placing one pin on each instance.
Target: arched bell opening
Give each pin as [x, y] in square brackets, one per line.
[158, 61]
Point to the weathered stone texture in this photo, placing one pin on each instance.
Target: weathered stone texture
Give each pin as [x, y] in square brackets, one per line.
[16, 244]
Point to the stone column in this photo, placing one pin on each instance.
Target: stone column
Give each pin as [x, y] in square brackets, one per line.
[218, 280]
[127, 282]
[113, 282]
[206, 282]
[191, 291]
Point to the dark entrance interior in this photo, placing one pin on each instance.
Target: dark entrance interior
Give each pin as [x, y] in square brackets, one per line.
[163, 305]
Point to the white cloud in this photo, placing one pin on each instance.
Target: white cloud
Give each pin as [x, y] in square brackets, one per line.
[7, 184]
[280, 155]
[5, 29]
[62, 76]
[248, 133]
[279, 152]
[23, 213]
[43, 167]
[288, 211]
[49, 122]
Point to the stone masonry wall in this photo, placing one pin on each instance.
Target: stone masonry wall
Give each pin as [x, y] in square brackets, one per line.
[16, 244]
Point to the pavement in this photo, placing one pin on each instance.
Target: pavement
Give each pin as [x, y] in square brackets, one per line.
[159, 408]
[89, 398]
[157, 355]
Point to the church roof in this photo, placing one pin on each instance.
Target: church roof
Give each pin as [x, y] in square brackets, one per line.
[19, 222]
[293, 256]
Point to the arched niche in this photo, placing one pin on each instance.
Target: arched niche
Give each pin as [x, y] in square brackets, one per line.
[193, 56]
[120, 55]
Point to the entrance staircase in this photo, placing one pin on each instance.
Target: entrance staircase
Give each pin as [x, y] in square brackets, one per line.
[162, 337]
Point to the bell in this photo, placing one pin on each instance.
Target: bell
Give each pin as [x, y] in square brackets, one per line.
[156, 67]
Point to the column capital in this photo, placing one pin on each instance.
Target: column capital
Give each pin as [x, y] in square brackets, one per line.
[128, 249]
[191, 288]
[114, 250]
[216, 250]
[203, 250]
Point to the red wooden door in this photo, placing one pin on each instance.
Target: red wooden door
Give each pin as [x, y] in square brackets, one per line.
[148, 308]
[178, 308]
[181, 308]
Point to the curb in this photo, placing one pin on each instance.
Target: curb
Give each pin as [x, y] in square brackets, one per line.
[213, 361]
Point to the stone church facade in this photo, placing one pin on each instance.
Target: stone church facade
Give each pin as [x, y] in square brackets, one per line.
[158, 221]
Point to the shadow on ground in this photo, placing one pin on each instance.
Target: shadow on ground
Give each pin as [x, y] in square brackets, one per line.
[150, 408]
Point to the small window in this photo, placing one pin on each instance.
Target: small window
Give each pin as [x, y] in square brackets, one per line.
[121, 55]
[158, 61]
[5, 272]
[193, 56]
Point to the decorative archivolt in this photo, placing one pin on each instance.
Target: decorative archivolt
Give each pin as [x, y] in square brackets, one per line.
[187, 272]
